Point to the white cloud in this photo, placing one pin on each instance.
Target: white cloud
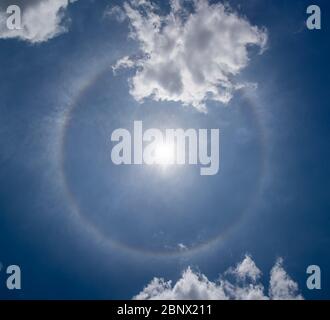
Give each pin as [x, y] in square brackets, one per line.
[246, 269]
[245, 285]
[124, 62]
[191, 286]
[281, 285]
[41, 19]
[182, 247]
[115, 11]
[189, 56]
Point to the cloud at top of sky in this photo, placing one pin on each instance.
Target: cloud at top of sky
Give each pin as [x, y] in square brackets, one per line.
[244, 285]
[188, 55]
[42, 20]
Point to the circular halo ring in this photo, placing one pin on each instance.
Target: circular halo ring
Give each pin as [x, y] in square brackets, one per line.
[101, 237]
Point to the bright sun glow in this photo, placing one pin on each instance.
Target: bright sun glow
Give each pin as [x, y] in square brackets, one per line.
[165, 154]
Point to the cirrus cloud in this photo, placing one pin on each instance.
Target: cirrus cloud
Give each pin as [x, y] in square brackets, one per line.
[188, 55]
[245, 285]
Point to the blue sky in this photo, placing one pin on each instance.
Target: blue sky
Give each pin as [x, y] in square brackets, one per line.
[81, 227]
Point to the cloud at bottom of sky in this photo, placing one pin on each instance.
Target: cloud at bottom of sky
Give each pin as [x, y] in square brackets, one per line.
[239, 283]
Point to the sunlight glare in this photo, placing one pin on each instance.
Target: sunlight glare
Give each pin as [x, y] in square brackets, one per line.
[165, 154]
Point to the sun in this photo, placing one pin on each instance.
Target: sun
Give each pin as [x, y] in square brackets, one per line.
[165, 154]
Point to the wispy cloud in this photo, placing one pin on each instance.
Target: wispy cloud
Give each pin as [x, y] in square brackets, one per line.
[188, 55]
[115, 12]
[245, 285]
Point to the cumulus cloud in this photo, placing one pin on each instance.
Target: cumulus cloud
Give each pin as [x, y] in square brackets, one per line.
[281, 285]
[41, 19]
[189, 55]
[245, 285]
[246, 269]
